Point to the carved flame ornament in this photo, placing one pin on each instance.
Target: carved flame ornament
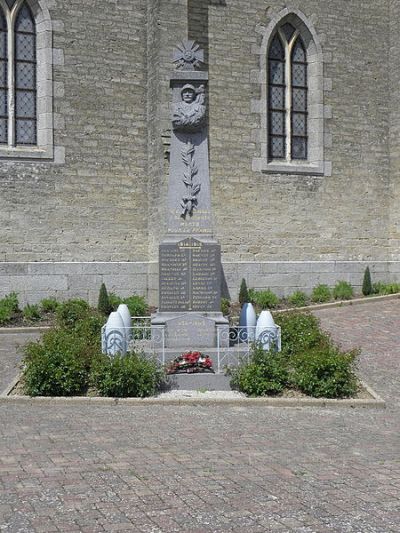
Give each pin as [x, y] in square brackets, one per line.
[189, 201]
[188, 56]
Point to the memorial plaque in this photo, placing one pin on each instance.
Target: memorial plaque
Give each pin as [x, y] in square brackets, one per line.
[190, 276]
[191, 330]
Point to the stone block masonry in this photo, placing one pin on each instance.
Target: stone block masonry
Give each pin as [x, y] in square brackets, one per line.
[35, 281]
[91, 203]
[100, 203]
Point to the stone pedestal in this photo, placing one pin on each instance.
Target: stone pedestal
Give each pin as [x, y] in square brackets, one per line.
[190, 293]
[192, 331]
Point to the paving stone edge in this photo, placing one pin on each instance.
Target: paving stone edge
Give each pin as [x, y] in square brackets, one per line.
[375, 403]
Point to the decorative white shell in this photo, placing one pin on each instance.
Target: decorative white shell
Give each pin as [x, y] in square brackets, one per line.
[123, 310]
[248, 316]
[115, 340]
[265, 322]
[247, 323]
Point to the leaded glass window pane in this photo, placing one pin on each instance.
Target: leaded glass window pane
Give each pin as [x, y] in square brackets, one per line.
[288, 31]
[26, 131]
[10, 3]
[25, 77]
[277, 72]
[25, 104]
[299, 75]
[25, 47]
[299, 99]
[3, 103]
[299, 148]
[3, 130]
[277, 123]
[277, 147]
[277, 97]
[299, 124]
[299, 53]
[276, 50]
[3, 36]
[3, 73]
[3, 80]
[25, 22]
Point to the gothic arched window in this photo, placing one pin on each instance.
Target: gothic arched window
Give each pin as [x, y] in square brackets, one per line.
[287, 95]
[25, 82]
[292, 108]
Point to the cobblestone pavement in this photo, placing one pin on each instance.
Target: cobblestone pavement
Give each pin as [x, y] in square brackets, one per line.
[81, 468]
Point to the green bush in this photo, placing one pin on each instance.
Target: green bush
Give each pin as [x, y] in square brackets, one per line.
[343, 291]
[325, 373]
[252, 296]
[131, 375]
[298, 299]
[8, 308]
[90, 328]
[385, 288]
[137, 305]
[321, 293]
[114, 300]
[104, 305]
[243, 293]
[266, 299]
[367, 285]
[71, 312]
[265, 374]
[31, 313]
[377, 287]
[49, 305]
[300, 332]
[225, 306]
[55, 365]
[59, 363]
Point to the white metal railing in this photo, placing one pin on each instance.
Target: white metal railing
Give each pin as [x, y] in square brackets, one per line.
[233, 344]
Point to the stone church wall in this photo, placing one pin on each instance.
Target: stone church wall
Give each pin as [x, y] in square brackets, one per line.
[97, 212]
[394, 77]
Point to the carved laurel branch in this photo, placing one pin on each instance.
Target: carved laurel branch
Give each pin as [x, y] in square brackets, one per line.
[189, 201]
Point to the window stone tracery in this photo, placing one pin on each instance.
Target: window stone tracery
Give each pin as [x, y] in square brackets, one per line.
[292, 98]
[26, 129]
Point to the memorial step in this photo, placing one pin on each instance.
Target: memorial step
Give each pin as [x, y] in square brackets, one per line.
[202, 382]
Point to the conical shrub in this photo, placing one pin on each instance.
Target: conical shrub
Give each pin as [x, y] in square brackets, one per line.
[243, 293]
[104, 305]
[367, 285]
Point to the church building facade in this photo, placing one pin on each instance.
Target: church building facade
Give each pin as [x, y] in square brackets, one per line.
[303, 105]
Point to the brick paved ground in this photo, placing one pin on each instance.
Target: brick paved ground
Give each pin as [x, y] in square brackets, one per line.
[10, 356]
[201, 469]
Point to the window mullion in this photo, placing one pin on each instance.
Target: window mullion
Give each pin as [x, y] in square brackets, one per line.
[288, 100]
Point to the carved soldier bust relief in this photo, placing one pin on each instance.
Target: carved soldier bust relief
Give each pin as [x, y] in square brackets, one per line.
[189, 115]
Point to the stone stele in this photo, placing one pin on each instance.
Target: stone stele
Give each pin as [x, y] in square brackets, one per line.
[190, 269]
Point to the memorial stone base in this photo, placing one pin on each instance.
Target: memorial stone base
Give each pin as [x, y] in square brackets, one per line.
[192, 331]
[190, 294]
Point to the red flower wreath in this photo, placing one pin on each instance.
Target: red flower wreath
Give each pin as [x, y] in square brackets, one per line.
[190, 362]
